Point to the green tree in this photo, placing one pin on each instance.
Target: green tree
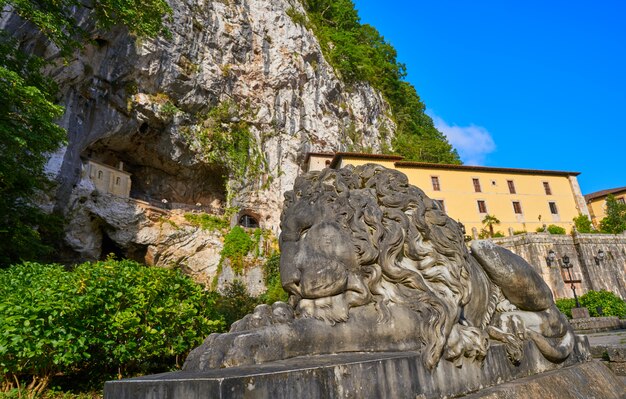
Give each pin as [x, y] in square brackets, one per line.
[489, 221]
[28, 113]
[27, 133]
[615, 220]
[583, 224]
[234, 302]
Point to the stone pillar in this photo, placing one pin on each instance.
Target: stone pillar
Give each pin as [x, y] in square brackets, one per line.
[578, 196]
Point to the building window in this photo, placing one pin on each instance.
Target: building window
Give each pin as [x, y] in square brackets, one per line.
[546, 187]
[620, 200]
[517, 207]
[441, 205]
[476, 185]
[117, 181]
[100, 174]
[482, 206]
[435, 181]
[553, 208]
[511, 186]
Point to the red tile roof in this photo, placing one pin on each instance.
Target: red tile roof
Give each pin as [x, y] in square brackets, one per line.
[604, 193]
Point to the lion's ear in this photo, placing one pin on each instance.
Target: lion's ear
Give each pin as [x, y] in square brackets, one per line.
[517, 279]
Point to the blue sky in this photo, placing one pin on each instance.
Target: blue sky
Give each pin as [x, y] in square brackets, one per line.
[521, 84]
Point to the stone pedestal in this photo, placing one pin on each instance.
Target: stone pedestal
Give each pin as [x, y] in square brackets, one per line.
[377, 375]
[580, 313]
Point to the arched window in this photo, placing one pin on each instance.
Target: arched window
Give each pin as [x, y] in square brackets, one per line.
[248, 221]
[100, 174]
[117, 181]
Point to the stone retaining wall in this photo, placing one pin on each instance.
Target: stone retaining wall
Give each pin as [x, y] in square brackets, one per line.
[597, 324]
[608, 274]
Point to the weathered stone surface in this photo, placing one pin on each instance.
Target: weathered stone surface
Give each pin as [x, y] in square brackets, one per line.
[583, 381]
[597, 324]
[608, 274]
[372, 264]
[249, 52]
[369, 375]
[580, 313]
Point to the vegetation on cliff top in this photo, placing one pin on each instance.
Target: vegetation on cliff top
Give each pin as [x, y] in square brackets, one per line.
[360, 54]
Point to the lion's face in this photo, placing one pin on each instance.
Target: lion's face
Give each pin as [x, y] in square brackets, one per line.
[366, 234]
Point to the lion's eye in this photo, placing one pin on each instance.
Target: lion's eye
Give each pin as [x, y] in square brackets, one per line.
[303, 233]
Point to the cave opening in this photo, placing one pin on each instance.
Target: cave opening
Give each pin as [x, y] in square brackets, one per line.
[160, 174]
[109, 247]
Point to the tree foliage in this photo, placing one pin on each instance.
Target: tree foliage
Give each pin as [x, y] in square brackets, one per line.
[359, 53]
[583, 224]
[28, 113]
[58, 19]
[489, 221]
[112, 317]
[615, 220]
[234, 302]
[27, 133]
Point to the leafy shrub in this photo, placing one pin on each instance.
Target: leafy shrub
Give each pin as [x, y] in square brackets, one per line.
[207, 222]
[107, 317]
[611, 304]
[519, 232]
[234, 302]
[554, 229]
[41, 333]
[565, 305]
[271, 272]
[237, 244]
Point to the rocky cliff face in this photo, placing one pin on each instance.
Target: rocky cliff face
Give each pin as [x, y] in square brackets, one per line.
[140, 102]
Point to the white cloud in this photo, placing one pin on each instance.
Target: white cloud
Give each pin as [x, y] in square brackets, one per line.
[472, 142]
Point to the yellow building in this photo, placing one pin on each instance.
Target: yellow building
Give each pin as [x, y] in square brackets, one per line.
[522, 199]
[596, 202]
[108, 179]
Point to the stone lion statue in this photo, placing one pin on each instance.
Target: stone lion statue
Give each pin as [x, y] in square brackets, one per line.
[372, 264]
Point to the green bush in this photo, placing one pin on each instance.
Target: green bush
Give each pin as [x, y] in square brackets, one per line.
[552, 229]
[207, 222]
[237, 244]
[271, 272]
[565, 305]
[111, 317]
[611, 304]
[234, 302]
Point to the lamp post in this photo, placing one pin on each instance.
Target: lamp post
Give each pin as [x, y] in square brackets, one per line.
[567, 266]
[599, 258]
[550, 258]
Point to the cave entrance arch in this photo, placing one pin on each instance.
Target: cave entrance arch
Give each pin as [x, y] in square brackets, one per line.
[249, 221]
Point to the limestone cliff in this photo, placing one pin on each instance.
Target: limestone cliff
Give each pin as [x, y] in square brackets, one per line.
[142, 102]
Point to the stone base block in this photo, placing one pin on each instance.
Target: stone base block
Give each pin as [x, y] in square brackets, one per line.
[596, 324]
[580, 313]
[356, 375]
[581, 381]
